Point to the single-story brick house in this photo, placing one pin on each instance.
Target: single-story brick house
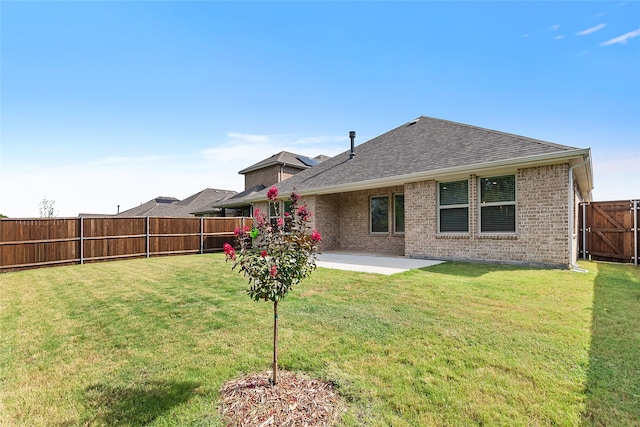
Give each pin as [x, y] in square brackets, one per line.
[437, 189]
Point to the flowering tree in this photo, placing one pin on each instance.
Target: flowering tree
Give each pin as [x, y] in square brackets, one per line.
[275, 255]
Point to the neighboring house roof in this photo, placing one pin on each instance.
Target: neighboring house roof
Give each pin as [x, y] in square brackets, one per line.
[170, 206]
[203, 201]
[239, 200]
[286, 158]
[429, 148]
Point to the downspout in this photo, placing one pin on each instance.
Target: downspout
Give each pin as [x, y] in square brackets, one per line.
[573, 266]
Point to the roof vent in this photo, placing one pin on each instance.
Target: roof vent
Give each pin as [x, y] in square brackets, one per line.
[413, 122]
[352, 137]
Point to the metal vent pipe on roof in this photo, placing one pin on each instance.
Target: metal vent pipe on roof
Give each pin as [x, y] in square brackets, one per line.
[352, 136]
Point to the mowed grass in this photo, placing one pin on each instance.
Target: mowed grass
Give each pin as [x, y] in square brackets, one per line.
[151, 341]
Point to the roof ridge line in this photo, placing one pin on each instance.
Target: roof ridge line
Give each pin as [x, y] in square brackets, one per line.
[498, 132]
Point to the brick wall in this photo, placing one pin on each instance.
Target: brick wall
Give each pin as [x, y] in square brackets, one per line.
[268, 176]
[343, 221]
[326, 219]
[541, 222]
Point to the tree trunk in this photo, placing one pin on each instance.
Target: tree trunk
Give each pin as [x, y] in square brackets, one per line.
[275, 342]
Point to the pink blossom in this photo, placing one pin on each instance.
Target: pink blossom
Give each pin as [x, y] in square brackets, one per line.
[229, 252]
[263, 254]
[259, 218]
[236, 231]
[280, 222]
[304, 212]
[315, 236]
[246, 228]
[274, 270]
[287, 214]
[272, 194]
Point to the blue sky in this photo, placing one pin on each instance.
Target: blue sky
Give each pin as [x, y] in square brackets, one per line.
[115, 103]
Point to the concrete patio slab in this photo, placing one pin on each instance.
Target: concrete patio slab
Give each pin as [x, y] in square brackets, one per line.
[371, 263]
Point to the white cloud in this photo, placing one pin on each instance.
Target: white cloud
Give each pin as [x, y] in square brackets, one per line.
[250, 137]
[559, 37]
[555, 27]
[591, 30]
[622, 39]
[125, 160]
[100, 185]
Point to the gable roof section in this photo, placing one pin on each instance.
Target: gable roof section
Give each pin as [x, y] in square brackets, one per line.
[202, 201]
[240, 199]
[284, 158]
[428, 148]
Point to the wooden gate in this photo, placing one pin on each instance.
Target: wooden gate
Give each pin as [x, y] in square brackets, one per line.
[609, 231]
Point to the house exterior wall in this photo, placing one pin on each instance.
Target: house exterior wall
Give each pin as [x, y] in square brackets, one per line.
[343, 221]
[269, 175]
[326, 219]
[327, 222]
[263, 206]
[541, 222]
[541, 236]
[355, 223]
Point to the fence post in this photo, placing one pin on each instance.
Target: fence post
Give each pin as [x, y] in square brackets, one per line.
[635, 233]
[81, 240]
[201, 234]
[147, 227]
[584, 230]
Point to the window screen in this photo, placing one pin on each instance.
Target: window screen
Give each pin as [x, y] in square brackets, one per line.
[398, 213]
[498, 204]
[380, 214]
[453, 206]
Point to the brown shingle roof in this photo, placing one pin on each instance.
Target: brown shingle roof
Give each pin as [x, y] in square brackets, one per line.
[420, 146]
[202, 201]
[283, 158]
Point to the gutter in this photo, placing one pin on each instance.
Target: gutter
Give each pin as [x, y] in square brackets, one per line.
[573, 266]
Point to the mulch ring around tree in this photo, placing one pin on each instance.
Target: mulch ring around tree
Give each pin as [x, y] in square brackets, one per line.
[296, 400]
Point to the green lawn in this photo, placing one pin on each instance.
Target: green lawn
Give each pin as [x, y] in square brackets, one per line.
[151, 341]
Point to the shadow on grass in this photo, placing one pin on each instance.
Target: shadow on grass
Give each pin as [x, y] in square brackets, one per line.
[613, 377]
[135, 406]
[473, 269]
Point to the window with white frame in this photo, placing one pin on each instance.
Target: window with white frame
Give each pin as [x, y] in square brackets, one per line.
[281, 206]
[497, 204]
[398, 213]
[453, 207]
[379, 214]
[282, 210]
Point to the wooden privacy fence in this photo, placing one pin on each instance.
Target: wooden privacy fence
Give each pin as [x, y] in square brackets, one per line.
[609, 231]
[27, 243]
